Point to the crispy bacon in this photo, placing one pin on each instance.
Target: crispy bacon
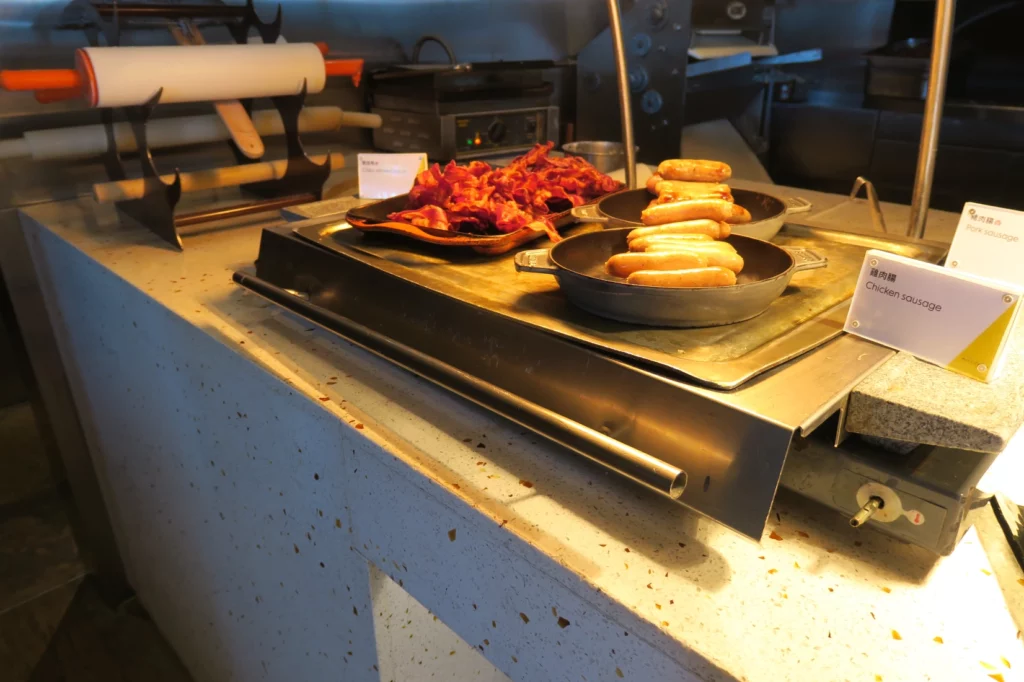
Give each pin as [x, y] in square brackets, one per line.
[479, 199]
[427, 216]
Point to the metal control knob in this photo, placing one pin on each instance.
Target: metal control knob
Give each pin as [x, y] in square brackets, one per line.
[657, 14]
[736, 10]
[867, 511]
[638, 79]
[641, 44]
[496, 131]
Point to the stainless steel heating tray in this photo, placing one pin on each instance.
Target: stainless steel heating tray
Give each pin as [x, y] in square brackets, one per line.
[810, 312]
[620, 396]
[720, 452]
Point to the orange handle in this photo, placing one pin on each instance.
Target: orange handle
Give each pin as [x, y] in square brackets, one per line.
[345, 67]
[322, 46]
[40, 79]
[50, 96]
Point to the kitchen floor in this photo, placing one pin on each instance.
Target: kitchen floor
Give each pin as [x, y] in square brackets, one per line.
[55, 624]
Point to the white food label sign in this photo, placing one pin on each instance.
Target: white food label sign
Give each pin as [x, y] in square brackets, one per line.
[382, 176]
[989, 242]
[949, 318]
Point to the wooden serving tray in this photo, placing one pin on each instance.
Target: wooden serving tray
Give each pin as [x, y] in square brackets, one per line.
[374, 218]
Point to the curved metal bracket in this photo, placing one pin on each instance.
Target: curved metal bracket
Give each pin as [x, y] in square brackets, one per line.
[302, 175]
[268, 32]
[155, 209]
[415, 57]
[877, 219]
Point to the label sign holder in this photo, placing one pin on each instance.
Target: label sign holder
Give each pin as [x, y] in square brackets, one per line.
[382, 176]
[989, 242]
[952, 319]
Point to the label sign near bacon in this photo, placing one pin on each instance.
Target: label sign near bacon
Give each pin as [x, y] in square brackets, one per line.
[479, 199]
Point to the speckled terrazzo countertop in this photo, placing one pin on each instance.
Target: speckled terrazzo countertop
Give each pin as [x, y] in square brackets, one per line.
[816, 600]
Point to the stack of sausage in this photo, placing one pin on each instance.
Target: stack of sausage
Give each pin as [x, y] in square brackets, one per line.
[680, 246]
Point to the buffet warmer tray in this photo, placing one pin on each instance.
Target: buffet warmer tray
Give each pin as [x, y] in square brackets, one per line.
[719, 452]
[810, 312]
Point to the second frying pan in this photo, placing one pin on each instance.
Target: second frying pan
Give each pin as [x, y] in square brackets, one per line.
[767, 212]
[578, 264]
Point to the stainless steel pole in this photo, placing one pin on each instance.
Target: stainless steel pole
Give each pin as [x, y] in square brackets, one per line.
[942, 38]
[625, 109]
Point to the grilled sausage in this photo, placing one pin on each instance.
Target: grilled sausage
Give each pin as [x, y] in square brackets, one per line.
[739, 215]
[676, 190]
[694, 170]
[696, 278]
[725, 259]
[681, 241]
[624, 264]
[652, 183]
[694, 209]
[709, 228]
[672, 198]
[669, 198]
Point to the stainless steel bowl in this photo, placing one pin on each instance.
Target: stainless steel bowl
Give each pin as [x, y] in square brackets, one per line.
[605, 156]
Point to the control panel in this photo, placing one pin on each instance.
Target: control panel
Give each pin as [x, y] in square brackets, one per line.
[487, 133]
[924, 498]
[904, 514]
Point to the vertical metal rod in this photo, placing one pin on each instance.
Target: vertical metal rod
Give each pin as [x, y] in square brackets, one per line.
[942, 38]
[625, 109]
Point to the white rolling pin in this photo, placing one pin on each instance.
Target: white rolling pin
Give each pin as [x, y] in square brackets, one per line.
[91, 140]
[214, 178]
[130, 76]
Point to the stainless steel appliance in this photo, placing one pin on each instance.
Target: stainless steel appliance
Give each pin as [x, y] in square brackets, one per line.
[717, 427]
[656, 35]
[464, 111]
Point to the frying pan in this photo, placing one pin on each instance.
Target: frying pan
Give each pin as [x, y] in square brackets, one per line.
[578, 265]
[767, 212]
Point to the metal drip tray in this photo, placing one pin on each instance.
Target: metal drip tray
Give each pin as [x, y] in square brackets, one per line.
[719, 452]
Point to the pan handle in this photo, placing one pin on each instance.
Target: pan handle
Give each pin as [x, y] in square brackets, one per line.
[537, 260]
[806, 259]
[588, 213]
[797, 205]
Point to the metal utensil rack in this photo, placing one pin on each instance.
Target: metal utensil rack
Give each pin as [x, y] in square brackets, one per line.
[303, 180]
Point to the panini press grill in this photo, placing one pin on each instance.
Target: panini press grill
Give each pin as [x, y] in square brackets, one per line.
[464, 111]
